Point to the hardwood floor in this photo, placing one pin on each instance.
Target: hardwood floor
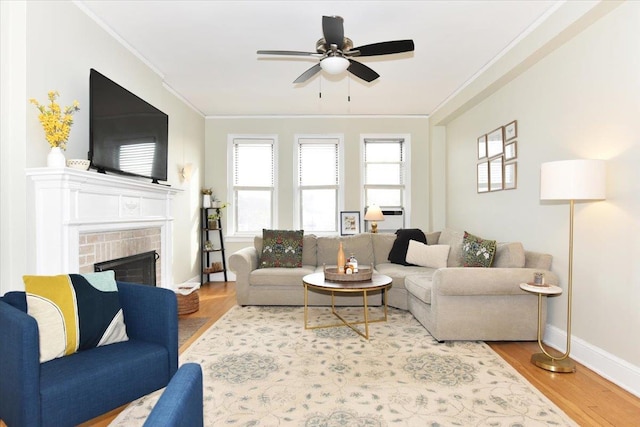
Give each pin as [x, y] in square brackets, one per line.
[585, 396]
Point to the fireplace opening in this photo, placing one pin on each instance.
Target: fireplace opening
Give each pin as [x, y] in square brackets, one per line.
[140, 268]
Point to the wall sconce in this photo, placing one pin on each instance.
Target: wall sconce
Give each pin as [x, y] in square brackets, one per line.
[186, 171]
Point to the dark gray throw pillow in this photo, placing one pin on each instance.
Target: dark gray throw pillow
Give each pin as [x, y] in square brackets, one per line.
[398, 253]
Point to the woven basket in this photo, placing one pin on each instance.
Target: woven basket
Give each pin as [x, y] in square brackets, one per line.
[189, 303]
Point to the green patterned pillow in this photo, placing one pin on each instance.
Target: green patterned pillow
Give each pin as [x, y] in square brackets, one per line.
[75, 312]
[477, 252]
[281, 248]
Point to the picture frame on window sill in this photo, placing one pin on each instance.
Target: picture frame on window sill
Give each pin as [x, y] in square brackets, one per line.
[349, 223]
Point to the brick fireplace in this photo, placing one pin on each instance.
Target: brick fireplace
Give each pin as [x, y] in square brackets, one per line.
[107, 246]
[82, 217]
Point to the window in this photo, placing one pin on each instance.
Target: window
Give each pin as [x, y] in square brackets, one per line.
[318, 183]
[385, 172]
[253, 183]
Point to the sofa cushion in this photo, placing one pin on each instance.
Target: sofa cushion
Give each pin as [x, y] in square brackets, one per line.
[433, 237]
[280, 276]
[382, 244]
[360, 245]
[477, 252]
[75, 312]
[453, 238]
[398, 272]
[103, 377]
[434, 256]
[398, 253]
[419, 285]
[281, 248]
[509, 255]
[309, 250]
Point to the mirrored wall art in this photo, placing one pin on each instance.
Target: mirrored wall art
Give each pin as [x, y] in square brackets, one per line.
[510, 175]
[495, 174]
[483, 177]
[496, 166]
[511, 150]
[495, 143]
[482, 147]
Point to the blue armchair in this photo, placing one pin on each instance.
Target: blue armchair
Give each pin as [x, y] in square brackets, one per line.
[181, 402]
[76, 388]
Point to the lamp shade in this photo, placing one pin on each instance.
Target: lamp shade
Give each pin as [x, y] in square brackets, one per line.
[334, 64]
[374, 213]
[582, 179]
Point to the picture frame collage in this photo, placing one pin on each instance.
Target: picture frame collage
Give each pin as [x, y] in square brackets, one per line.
[497, 166]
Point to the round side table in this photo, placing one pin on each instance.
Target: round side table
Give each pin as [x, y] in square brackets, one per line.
[544, 360]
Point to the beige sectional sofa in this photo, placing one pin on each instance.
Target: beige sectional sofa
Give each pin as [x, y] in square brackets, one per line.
[452, 302]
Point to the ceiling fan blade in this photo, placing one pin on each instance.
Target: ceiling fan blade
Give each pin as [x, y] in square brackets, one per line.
[287, 52]
[308, 74]
[362, 71]
[384, 48]
[333, 30]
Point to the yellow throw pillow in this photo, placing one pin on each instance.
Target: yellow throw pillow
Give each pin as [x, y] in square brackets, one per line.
[75, 312]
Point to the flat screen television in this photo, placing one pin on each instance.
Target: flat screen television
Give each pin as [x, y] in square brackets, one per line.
[127, 134]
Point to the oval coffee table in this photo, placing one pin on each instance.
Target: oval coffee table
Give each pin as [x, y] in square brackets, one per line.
[376, 283]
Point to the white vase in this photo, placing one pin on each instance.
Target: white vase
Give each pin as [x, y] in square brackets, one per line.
[55, 158]
[206, 200]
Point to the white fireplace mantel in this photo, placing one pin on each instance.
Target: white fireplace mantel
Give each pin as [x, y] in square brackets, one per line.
[64, 203]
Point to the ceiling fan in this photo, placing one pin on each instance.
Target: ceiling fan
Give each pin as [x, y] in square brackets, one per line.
[335, 52]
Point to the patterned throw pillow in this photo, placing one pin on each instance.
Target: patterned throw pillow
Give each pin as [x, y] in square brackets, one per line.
[75, 312]
[477, 252]
[281, 248]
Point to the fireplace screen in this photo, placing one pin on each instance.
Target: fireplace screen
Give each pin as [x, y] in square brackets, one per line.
[140, 268]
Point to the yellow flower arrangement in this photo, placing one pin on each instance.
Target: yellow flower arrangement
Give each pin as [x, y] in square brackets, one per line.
[55, 121]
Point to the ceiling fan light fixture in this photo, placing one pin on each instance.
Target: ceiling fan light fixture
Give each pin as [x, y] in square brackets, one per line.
[334, 64]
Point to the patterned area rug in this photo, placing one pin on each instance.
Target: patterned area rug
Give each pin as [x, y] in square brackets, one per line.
[262, 368]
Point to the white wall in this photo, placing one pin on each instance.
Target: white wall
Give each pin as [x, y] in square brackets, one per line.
[352, 128]
[580, 101]
[61, 43]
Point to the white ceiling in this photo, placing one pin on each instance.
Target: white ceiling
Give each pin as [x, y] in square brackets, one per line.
[206, 50]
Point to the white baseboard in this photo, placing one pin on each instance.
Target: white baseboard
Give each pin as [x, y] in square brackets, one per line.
[614, 369]
[231, 277]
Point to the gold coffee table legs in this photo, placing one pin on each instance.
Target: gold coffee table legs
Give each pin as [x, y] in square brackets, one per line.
[352, 325]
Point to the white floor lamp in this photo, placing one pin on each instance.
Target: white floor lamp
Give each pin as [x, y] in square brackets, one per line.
[581, 180]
